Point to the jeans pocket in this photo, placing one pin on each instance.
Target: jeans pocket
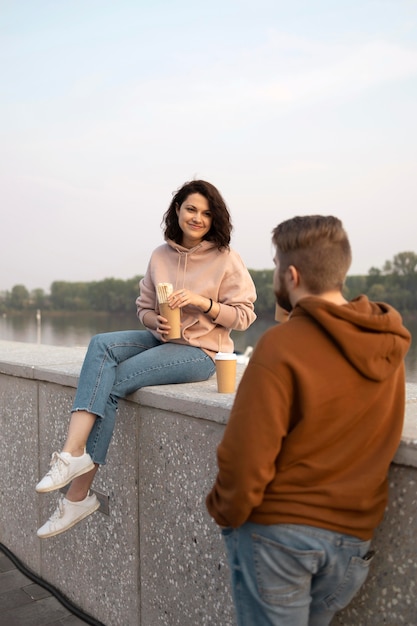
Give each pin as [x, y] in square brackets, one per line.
[283, 574]
[355, 576]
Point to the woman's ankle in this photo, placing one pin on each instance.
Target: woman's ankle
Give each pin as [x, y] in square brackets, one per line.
[74, 451]
[78, 496]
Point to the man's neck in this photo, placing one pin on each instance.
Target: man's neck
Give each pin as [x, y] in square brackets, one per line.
[335, 297]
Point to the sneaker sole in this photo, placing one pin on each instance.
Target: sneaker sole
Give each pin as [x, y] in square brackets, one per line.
[73, 523]
[63, 484]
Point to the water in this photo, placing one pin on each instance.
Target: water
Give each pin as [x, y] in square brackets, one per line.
[75, 329]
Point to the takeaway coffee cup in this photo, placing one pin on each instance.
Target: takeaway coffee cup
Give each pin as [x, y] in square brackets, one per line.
[281, 315]
[226, 372]
[174, 320]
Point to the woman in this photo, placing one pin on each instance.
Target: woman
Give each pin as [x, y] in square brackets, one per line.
[215, 293]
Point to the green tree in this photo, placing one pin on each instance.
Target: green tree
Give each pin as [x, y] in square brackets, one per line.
[395, 283]
[114, 295]
[67, 296]
[263, 279]
[377, 292]
[39, 299]
[373, 277]
[404, 264]
[354, 286]
[19, 298]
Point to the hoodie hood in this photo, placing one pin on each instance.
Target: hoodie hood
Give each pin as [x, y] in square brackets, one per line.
[199, 248]
[370, 334]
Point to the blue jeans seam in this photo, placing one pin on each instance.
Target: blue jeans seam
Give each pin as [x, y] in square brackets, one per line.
[156, 368]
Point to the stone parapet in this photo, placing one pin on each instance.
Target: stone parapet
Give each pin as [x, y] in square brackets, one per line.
[152, 556]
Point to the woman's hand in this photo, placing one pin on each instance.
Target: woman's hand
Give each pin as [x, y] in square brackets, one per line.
[184, 297]
[162, 326]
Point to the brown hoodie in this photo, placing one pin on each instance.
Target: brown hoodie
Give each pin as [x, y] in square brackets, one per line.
[316, 421]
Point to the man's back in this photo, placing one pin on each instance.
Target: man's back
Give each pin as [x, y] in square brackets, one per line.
[317, 420]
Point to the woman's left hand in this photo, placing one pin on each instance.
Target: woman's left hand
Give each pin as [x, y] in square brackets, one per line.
[182, 297]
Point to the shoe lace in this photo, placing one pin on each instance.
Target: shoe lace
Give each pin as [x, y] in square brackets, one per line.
[59, 511]
[57, 465]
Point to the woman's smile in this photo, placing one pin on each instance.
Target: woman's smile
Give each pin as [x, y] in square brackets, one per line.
[194, 219]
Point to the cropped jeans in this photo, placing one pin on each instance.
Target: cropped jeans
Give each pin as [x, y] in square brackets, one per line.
[293, 575]
[119, 363]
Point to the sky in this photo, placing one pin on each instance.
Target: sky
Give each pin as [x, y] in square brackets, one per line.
[288, 107]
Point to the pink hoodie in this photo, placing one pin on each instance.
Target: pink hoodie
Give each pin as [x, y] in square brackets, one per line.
[220, 275]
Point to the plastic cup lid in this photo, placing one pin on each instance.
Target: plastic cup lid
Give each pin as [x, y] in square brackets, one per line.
[226, 356]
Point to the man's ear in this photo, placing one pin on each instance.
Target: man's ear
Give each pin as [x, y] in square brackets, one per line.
[293, 276]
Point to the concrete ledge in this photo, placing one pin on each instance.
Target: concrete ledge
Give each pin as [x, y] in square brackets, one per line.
[157, 557]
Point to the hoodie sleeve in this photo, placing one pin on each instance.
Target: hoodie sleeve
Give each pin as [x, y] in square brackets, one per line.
[146, 301]
[237, 295]
[250, 446]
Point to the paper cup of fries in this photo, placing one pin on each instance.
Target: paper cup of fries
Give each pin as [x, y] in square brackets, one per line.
[163, 290]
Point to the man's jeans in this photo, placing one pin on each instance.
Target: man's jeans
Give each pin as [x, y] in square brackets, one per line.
[119, 363]
[293, 575]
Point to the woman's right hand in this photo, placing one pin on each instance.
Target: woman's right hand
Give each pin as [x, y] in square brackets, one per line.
[162, 326]
[157, 322]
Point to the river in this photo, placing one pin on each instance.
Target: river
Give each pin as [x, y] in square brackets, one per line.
[75, 329]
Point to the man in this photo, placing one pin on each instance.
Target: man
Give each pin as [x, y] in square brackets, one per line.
[317, 419]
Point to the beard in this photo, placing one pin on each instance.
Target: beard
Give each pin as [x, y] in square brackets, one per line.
[282, 297]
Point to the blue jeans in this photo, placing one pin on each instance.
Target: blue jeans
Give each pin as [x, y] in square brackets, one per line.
[119, 363]
[293, 575]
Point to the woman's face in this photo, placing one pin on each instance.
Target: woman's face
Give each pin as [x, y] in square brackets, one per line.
[194, 219]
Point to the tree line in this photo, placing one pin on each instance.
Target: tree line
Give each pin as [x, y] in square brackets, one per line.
[394, 283]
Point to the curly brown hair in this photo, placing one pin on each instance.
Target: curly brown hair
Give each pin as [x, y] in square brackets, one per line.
[221, 226]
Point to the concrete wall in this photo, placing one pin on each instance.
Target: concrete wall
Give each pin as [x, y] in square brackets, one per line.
[152, 556]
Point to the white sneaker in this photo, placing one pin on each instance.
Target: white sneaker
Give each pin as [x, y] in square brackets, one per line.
[68, 514]
[64, 467]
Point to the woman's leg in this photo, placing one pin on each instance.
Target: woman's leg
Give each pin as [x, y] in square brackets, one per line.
[165, 364]
[117, 364]
[80, 486]
[104, 353]
[79, 428]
